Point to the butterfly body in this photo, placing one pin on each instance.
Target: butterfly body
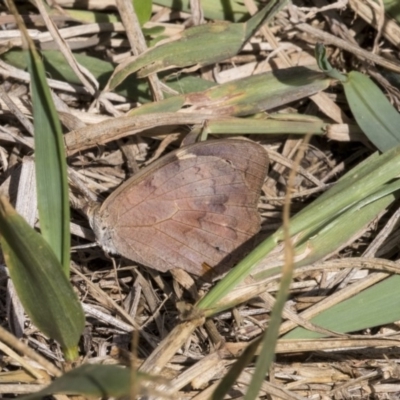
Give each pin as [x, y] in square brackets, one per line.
[192, 207]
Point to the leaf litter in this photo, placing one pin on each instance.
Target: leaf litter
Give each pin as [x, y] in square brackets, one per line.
[118, 296]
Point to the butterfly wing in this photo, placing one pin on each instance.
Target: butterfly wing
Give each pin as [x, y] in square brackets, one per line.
[194, 206]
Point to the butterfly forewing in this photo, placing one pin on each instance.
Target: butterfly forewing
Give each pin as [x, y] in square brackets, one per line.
[194, 206]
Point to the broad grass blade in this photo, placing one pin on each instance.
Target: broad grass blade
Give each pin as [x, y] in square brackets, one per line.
[217, 41]
[373, 112]
[248, 95]
[44, 290]
[377, 305]
[377, 118]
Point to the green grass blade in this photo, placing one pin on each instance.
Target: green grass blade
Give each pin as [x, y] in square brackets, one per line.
[270, 338]
[373, 112]
[393, 8]
[44, 290]
[247, 96]
[319, 245]
[377, 305]
[237, 274]
[264, 16]
[234, 372]
[338, 232]
[259, 92]
[272, 124]
[50, 159]
[353, 188]
[324, 65]
[218, 42]
[143, 10]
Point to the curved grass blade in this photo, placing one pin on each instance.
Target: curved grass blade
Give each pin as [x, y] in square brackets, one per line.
[43, 288]
[217, 41]
[365, 310]
[136, 89]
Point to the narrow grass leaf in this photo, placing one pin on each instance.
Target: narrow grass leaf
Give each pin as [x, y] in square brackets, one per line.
[373, 112]
[319, 245]
[270, 338]
[236, 275]
[353, 188]
[369, 308]
[43, 288]
[234, 372]
[324, 64]
[283, 124]
[356, 210]
[264, 16]
[50, 159]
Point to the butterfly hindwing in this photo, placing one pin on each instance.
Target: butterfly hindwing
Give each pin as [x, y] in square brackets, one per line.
[194, 206]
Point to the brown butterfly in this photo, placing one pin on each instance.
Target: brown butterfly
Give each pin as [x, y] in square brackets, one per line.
[193, 207]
